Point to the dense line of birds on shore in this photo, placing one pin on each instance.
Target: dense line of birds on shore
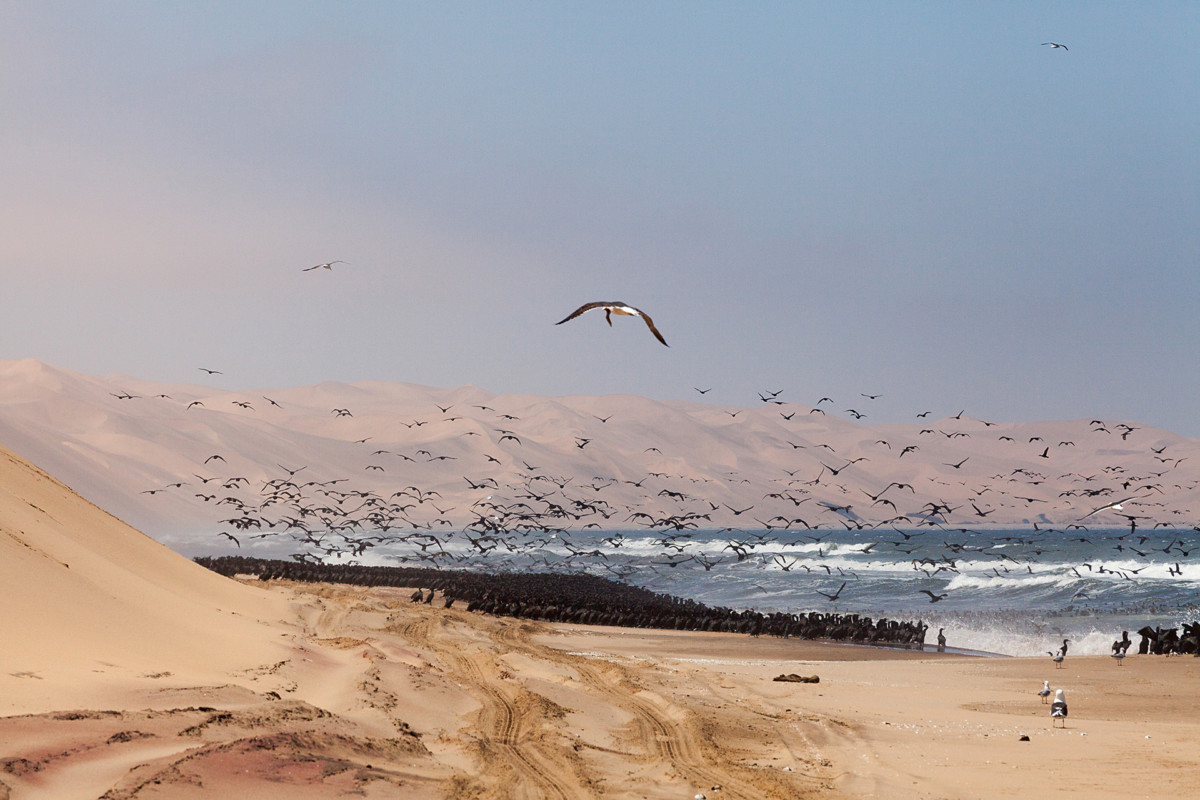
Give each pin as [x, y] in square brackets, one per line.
[580, 599]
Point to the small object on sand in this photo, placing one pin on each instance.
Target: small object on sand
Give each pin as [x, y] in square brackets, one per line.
[1058, 709]
[1024, 738]
[794, 678]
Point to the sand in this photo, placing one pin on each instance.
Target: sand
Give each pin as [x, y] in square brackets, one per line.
[378, 695]
[127, 671]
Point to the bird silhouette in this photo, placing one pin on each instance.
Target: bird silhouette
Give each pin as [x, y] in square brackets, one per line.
[615, 307]
[327, 265]
[835, 595]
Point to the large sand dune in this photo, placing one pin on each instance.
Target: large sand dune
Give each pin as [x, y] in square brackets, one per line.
[146, 451]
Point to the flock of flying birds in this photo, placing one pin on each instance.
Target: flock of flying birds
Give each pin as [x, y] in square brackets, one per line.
[494, 501]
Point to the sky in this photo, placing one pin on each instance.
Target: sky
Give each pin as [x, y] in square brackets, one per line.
[916, 200]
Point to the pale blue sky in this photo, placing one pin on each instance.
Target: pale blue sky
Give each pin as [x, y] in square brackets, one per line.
[913, 199]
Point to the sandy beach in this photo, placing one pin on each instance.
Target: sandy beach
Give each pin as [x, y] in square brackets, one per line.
[375, 694]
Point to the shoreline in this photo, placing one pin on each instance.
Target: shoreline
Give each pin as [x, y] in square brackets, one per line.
[376, 694]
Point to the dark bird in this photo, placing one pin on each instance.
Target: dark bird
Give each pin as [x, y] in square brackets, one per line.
[1056, 45]
[210, 371]
[327, 265]
[615, 307]
[933, 598]
[835, 595]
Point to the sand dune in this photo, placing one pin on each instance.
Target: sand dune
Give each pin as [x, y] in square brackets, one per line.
[90, 602]
[660, 458]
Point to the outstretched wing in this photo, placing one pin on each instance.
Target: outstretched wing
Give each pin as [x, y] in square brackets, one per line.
[650, 325]
[583, 308]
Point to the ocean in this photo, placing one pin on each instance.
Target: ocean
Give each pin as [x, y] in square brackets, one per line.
[1015, 592]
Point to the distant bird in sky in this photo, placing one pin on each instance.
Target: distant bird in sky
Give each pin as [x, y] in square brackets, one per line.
[1055, 45]
[210, 371]
[327, 265]
[615, 307]
[933, 598]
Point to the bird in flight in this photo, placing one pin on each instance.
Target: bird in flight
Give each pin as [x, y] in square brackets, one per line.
[1118, 506]
[619, 308]
[327, 265]
[210, 371]
[835, 595]
[1054, 45]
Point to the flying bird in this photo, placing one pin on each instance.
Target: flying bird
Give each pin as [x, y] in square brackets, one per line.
[933, 598]
[619, 308]
[327, 265]
[1116, 506]
[835, 595]
[1056, 45]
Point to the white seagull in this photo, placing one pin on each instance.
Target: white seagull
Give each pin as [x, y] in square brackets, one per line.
[1058, 709]
[616, 307]
[1044, 692]
[1054, 45]
[327, 265]
[1116, 506]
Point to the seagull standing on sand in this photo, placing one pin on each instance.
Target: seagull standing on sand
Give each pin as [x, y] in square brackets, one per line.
[1058, 709]
[1044, 692]
[615, 307]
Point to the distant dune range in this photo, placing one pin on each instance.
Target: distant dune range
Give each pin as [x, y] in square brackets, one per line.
[611, 461]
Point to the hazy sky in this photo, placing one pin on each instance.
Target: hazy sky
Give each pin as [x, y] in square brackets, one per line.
[913, 199]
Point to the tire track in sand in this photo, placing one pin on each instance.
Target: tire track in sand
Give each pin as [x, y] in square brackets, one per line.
[659, 734]
[529, 766]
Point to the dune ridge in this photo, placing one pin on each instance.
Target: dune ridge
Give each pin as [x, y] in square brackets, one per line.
[794, 466]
